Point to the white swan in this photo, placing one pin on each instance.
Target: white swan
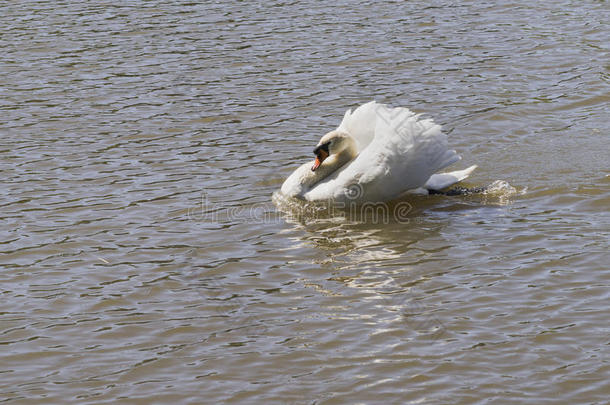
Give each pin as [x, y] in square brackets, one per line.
[376, 154]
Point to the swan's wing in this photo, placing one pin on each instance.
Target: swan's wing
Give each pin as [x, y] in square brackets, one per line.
[403, 154]
[443, 180]
[360, 124]
[406, 151]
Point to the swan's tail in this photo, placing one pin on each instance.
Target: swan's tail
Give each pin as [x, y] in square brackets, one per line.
[440, 181]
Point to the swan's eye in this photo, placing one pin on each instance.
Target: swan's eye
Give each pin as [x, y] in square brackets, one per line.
[323, 147]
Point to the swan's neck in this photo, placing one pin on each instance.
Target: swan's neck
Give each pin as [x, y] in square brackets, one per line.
[303, 179]
[331, 165]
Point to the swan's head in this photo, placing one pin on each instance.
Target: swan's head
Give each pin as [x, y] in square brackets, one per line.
[333, 143]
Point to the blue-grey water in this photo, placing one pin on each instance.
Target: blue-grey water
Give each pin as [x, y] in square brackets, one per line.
[142, 259]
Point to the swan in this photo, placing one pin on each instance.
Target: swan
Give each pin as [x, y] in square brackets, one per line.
[377, 154]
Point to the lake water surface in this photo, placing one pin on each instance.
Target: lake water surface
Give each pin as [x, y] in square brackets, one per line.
[142, 259]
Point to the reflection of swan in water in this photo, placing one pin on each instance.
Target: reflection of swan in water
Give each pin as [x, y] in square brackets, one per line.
[376, 154]
[388, 266]
[346, 245]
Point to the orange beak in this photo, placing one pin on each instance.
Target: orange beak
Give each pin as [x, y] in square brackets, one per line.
[320, 157]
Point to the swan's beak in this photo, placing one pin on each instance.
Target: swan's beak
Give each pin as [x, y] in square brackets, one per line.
[321, 154]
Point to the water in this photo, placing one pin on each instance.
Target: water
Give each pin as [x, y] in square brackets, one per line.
[143, 259]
